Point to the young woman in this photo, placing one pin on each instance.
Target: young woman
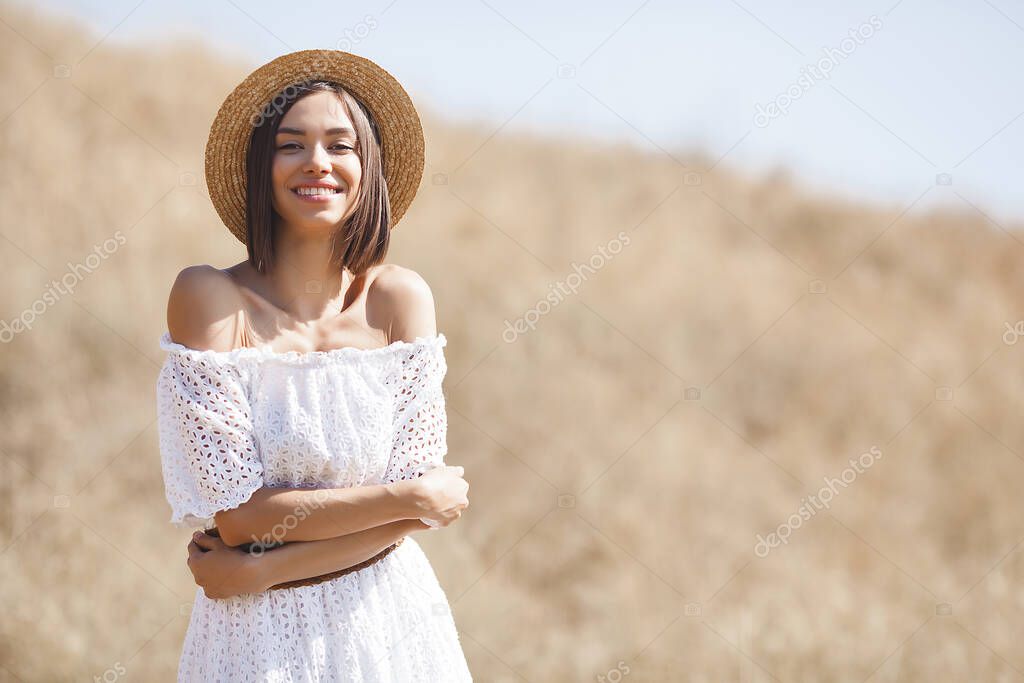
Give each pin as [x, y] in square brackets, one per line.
[300, 403]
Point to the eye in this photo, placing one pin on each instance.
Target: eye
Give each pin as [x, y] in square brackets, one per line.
[341, 146]
[287, 145]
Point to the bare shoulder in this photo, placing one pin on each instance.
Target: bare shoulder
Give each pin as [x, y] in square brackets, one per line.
[204, 309]
[403, 298]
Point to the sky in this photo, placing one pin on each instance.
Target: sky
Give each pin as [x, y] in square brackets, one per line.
[885, 101]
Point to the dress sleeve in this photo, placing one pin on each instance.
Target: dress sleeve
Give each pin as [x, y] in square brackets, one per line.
[420, 420]
[208, 449]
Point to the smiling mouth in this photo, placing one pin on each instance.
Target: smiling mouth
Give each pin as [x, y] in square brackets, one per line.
[316, 191]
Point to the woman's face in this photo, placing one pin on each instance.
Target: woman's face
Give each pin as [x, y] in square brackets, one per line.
[316, 168]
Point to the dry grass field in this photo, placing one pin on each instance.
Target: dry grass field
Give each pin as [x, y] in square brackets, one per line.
[735, 342]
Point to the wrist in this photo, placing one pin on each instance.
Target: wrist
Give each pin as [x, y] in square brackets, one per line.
[405, 494]
[257, 569]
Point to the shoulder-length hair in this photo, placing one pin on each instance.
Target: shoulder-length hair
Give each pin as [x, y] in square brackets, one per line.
[361, 240]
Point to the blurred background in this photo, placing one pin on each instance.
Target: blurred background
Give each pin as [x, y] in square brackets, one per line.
[732, 294]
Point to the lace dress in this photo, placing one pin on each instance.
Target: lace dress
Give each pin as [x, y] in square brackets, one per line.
[231, 422]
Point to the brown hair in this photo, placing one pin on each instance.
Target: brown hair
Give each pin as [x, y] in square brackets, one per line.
[362, 239]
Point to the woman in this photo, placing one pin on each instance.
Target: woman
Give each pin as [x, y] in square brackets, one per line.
[300, 404]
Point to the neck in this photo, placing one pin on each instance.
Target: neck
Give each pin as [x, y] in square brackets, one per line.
[304, 282]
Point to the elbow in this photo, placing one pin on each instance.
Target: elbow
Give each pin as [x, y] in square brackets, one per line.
[239, 525]
[231, 527]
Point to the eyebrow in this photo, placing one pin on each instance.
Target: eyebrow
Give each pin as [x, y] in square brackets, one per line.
[331, 131]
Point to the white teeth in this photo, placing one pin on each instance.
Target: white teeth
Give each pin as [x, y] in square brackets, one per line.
[315, 190]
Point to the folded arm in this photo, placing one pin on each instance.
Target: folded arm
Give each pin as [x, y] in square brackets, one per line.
[223, 572]
[274, 515]
[303, 560]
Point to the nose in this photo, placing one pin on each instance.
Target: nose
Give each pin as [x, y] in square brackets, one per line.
[319, 160]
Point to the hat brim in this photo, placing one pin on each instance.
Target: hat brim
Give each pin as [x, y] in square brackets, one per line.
[398, 123]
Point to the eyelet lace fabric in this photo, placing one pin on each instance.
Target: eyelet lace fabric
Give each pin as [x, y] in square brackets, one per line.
[231, 422]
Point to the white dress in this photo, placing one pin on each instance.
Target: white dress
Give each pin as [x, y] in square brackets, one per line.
[231, 422]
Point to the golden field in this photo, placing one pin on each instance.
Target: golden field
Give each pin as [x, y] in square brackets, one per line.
[624, 454]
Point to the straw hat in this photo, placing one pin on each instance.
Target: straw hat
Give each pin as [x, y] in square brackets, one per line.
[254, 99]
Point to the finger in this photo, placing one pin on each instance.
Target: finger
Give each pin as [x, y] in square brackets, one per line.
[194, 550]
[195, 553]
[205, 541]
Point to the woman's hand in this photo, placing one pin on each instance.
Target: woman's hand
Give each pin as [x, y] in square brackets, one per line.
[223, 571]
[440, 495]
